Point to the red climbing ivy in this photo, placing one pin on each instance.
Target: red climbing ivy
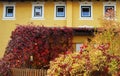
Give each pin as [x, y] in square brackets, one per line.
[42, 43]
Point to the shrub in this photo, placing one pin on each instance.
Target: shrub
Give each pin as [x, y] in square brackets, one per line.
[5, 65]
[91, 63]
[100, 58]
[34, 46]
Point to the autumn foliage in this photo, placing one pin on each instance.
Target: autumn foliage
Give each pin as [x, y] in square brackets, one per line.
[99, 56]
[90, 62]
[42, 43]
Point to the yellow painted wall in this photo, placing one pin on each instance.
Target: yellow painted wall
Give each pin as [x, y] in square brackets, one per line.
[24, 15]
[97, 13]
[80, 39]
[118, 11]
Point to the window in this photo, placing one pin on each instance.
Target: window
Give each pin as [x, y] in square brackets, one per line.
[109, 10]
[60, 10]
[9, 11]
[79, 47]
[38, 10]
[85, 10]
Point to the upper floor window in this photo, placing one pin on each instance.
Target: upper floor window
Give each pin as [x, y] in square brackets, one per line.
[60, 10]
[85, 10]
[9, 11]
[109, 10]
[37, 10]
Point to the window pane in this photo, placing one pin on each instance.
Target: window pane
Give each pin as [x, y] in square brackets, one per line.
[78, 47]
[38, 11]
[107, 8]
[60, 11]
[109, 11]
[9, 11]
[85, 11]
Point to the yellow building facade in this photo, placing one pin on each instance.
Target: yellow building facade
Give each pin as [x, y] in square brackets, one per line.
[76, 14]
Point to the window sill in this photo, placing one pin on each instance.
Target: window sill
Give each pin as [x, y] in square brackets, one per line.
[57, 18]
[37, 19]
[111, 19]
[9, 19]
[85, 18]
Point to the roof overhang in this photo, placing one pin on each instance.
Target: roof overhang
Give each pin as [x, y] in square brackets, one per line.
[91, 31]
[83, 31]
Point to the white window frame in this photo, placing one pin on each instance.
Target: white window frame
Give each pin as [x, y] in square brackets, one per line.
[4, 11]
[86, 4]
[109, 4]
[59, 4]
[78, 45]
[37, 4]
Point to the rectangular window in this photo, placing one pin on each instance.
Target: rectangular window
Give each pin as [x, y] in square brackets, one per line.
[109, 11]
[38, 10]
[85, 11]
[79, 47]
[60, 11]
[9, 11]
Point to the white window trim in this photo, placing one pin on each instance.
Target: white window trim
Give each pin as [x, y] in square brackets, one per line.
[86, 4]
[37, 4]
[59, 4]
[109, 3]
[4, 11]
[77, 46]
